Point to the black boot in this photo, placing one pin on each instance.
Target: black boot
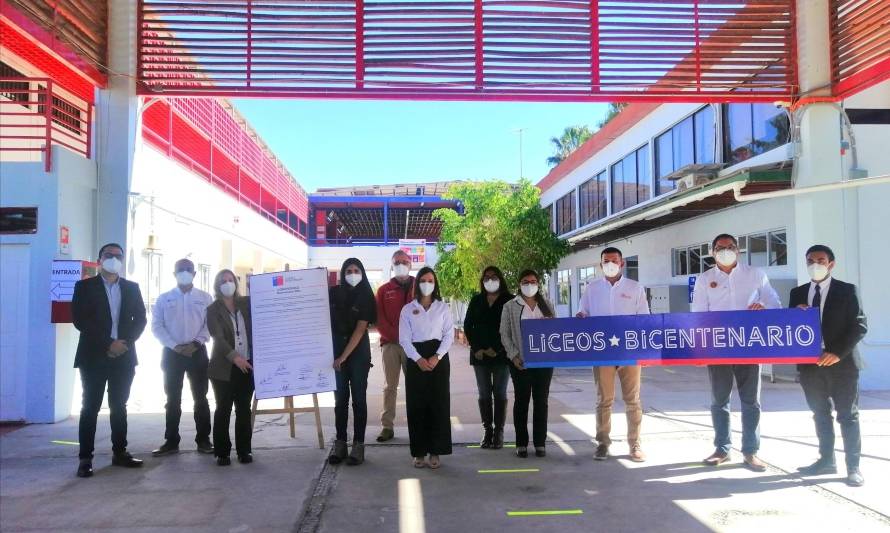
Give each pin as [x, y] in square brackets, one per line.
[485, 413]
[500, 415]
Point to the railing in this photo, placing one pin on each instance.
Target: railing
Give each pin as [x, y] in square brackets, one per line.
[211, 140]
[33, 117]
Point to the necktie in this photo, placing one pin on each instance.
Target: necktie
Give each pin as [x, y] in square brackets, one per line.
[817, 297]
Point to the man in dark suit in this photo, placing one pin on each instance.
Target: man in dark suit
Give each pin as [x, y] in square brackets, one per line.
[835, 377]
[110, 315]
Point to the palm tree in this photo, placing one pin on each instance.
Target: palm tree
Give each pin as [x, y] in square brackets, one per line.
[571, 138]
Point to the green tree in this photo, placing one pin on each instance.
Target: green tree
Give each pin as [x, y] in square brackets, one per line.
[611, 112]
[502, 225]
[571, 138]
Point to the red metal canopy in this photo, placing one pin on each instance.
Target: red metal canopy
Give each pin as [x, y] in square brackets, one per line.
[535, 50]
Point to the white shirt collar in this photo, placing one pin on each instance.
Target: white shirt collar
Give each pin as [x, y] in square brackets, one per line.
[823, 285]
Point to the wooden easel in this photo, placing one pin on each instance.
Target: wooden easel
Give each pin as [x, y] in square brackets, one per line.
[290, 410]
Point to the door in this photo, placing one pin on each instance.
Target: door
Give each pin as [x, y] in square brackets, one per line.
[15, 261]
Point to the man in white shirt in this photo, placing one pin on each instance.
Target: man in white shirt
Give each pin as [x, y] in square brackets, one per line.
[730, 286]
[611, 295]
[179, 322]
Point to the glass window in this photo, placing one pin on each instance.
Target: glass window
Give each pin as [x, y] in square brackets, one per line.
[664, 162]
[684, 151]
[565, 213]
[757, 255]
[752, 129]
[770, 127]
[601, 187]
[617, 187]
[592, 197]
[632, 267]
[585, 276]
[778, 248]
[644, 176]
[564, 289]
[629, 178]
[695, 260]
[705, 133]
[203, 277]
[680, 266]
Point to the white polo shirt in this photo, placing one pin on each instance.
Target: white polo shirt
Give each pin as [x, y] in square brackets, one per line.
[716, 290]
[625, 297]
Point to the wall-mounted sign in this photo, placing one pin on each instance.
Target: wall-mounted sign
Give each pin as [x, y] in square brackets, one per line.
[416, 249]
[64, 240]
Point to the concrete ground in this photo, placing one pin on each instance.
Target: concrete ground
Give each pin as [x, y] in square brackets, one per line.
[290, 488]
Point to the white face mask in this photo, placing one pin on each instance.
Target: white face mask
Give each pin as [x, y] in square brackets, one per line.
[353, 279]
[726, 257]
[611, 269]
[817, 272]
[492, 285]
[184, 278]
[426, 288]
[529, 290]
[112, 265]
[401, 270]
[227, 289]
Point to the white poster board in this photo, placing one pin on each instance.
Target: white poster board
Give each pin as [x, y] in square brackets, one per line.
[293, 353]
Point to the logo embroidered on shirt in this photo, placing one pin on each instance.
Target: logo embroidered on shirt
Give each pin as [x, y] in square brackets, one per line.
[713, 284]
[416, 311]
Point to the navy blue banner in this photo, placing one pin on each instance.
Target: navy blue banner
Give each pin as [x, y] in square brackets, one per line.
[779, 336]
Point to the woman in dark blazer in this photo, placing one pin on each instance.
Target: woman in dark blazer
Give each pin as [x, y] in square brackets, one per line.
[487, 354]
[230, 370]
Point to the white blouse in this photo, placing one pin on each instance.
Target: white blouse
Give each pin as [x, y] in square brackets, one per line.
[417, 324]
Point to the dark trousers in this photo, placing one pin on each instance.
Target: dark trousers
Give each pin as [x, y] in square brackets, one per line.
[428, 403]
[491, 380]
[93, 379]
[824, 386]
[528, 384]
[353, 378]
[176, 367]
[238, 391]
[747, 379]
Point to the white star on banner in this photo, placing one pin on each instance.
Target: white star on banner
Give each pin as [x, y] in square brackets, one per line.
[614, 340]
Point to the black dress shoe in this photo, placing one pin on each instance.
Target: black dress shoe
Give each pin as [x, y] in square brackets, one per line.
[223, 461]
[540, 451]
[205, 447]
[165, 449]
[819, 468]
[521, 451]
[85, 469]
[126, 460]
[854, 478]
[245, 458]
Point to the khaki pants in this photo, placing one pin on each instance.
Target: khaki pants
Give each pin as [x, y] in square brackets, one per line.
[630, 392]
[393, 361]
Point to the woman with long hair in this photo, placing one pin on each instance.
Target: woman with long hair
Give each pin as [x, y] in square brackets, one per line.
[353, 309]
[528, 383]
[230, 369]
[487, 354]
[426, 332]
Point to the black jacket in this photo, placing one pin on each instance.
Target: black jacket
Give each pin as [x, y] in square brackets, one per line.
[482, 327]
[843, 322]
[92, 317]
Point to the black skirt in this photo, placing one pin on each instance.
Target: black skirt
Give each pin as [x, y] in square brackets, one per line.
[428, 403]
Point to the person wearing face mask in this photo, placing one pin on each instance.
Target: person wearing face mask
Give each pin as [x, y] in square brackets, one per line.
[528, 383]
[352, 310]
[230, 368]
[487, 355]
[614, 294]
[426, 333]
[109, 312]
[392, 296]
[179, 322]
[834, 379]
[732, 286]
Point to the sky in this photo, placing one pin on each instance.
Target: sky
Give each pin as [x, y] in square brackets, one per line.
[337, 143]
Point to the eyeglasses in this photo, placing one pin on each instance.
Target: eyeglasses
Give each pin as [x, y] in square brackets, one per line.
[733, 248]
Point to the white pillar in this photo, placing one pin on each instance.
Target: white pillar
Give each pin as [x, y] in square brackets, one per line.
[829, 217]
[117, 129]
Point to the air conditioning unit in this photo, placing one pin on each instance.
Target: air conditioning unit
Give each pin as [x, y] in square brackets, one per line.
[694, 175]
